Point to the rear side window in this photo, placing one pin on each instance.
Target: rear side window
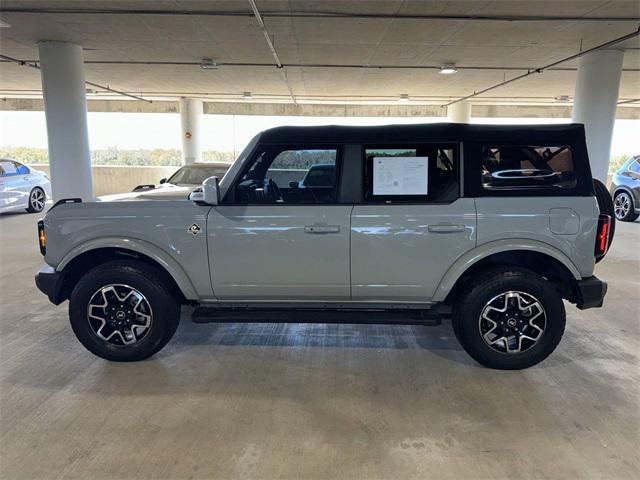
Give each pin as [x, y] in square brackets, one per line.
[635, 166]
[527, 167]
[418, 173]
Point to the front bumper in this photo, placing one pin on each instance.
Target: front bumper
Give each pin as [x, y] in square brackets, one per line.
[50, 283]
[590, 292]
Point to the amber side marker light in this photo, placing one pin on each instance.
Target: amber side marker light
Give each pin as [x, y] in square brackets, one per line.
[42, 238]
[602, 235]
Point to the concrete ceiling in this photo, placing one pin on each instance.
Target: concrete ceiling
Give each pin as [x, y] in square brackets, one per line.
[347, 57]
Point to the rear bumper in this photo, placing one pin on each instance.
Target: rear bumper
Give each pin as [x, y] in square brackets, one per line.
[50, 283]
[590, 292]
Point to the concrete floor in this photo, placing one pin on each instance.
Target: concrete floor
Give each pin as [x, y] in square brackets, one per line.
[292, 401]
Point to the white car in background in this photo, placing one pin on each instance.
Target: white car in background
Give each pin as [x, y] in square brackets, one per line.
[22, 187]
[179, 185]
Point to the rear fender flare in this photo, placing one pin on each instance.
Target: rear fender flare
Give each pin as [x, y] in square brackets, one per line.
[463, 263]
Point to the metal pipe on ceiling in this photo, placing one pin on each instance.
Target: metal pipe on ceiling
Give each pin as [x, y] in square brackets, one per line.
[322, 65]
[320, 14]
[33, 64]
[265, 32]
[547, 67]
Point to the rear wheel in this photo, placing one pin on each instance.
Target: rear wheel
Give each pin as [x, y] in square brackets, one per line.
[123, 311]
[509, 319]
[624, 208]
[37, 198]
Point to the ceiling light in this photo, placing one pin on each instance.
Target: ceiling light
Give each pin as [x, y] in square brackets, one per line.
[4, 24]
[247, 96]
[448, 69]
[561, 98]
[208, 64]
[404, 98]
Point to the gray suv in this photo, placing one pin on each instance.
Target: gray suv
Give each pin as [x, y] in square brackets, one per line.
[490, 226]
[625, 190]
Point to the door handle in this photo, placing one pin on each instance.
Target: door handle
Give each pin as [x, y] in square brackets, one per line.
[446, 228]
[321, 228]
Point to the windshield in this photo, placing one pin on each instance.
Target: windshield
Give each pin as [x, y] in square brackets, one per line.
[194, 175]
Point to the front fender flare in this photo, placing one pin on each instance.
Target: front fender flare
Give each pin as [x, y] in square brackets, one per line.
[143, 247]
[463, 263]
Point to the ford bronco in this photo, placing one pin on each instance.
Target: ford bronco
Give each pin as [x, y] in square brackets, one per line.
[490, 226]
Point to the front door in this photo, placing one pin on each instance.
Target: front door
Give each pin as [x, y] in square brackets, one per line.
[280, 233]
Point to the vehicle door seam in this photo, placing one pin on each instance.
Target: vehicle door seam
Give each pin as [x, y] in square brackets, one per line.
[206, 247]
[353, 206]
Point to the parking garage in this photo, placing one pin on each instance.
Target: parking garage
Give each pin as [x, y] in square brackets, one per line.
[319, 400]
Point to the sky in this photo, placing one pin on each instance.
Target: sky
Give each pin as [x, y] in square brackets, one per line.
[231, 132]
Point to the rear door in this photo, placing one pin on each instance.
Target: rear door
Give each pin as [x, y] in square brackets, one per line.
[412, 224]
[275, 238]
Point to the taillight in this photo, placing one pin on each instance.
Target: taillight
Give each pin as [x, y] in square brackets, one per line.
[602, 236]
[42, 238]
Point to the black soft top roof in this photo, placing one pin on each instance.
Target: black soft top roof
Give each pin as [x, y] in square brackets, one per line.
[428, 132]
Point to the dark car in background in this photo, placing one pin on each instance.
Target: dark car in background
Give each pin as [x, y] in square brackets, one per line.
[625, 190]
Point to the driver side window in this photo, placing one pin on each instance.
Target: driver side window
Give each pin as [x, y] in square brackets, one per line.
[287, 175]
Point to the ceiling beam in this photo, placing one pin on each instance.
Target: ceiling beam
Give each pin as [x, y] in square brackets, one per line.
[289, 109]
[320, 14]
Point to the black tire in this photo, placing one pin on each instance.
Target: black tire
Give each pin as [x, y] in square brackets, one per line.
[631, 215]
[489, 286]
[36, 205]
[605, 203]
[140, 277]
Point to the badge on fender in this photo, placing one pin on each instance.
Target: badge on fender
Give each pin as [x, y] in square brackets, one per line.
[194, 229]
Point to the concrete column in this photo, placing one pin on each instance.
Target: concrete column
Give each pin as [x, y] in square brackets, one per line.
[595, 102]
[191, 111]
[459, 112]
[65, 108]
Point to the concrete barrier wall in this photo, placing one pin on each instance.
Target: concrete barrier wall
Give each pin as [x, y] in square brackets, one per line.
[283, 177]
[108, 179]
[119, 179]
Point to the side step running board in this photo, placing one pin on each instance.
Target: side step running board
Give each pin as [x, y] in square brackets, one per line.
[429, 317]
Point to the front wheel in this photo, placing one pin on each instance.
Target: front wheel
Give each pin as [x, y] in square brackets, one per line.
[509, 319]
[123, 311]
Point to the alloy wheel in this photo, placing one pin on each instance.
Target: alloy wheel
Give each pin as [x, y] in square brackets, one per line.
[119, 314]
[512, 322]
[622, 205]
[36, 199]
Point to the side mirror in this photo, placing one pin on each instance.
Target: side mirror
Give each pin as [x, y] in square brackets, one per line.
[209, 193]
[294, 184]
[163, 180]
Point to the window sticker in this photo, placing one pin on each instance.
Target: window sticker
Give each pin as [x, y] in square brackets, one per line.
[400, 175]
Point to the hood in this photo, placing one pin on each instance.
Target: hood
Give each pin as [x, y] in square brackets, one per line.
[166, 191]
